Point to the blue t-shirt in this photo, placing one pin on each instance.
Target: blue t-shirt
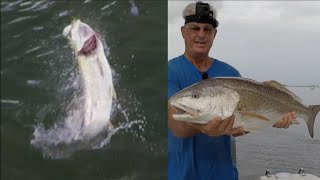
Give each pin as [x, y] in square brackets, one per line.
[200, 157]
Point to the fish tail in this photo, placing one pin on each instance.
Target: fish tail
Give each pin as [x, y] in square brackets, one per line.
[314, 109]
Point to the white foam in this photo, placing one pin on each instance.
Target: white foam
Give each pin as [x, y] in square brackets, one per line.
[9, 101]
[21, 19]
[33, 82]
[108, 5]
[44, 54]
[33, 49]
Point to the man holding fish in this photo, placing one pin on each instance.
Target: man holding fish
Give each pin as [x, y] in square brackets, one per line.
[201, 150]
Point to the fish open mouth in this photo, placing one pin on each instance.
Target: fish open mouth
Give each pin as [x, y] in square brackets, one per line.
[184, 110]
[89, 46]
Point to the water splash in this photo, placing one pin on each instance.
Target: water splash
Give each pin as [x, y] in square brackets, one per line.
[38, 6]
[33, 82]
[33, 49]
[45, 54]
[37, 28]
[64, 13]
[60, 140]
[9, 101]
[87, 1]
[134, 9]
[58, 123]
[25, 3]
[126, 125]
[9, 6]
[108, 5]
[20, 19]
[33, 5]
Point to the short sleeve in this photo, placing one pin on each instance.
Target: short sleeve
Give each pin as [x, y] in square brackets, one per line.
[173, 82]
[237, 74]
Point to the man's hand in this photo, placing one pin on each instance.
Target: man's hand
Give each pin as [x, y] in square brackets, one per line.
[286, 121]
[218, 127]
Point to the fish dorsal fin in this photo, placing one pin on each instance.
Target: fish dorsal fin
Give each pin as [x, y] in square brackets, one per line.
[294, 121]
[281, 87]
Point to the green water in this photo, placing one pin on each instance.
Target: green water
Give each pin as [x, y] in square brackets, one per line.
[37, 75]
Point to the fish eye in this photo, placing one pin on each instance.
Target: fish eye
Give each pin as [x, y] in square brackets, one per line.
[195, 95]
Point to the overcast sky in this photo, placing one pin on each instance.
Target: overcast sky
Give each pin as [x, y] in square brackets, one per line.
[264, 40]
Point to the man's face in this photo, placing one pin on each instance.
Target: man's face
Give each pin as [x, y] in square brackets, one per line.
[198, 38]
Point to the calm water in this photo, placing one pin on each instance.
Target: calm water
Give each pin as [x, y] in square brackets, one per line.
[38, 73]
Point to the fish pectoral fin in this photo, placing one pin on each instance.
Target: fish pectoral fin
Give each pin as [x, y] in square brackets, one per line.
[281, 87]
[247, 131]
[295, 122]
[114, 94]
[251, 115]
